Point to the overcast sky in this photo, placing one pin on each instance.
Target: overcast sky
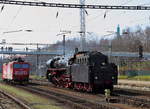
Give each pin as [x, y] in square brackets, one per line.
[46, 26]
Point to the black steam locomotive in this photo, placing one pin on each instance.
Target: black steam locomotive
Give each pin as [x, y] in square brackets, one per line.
[86, 71]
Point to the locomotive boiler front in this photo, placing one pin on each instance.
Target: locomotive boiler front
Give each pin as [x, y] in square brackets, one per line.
[57, 62]
[103, 76]
[57, 72]
[103, 73]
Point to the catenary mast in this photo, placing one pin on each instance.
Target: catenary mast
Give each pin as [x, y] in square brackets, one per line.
[82, 26]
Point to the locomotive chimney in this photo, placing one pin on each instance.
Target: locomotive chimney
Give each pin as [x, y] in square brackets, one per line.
[76, 50]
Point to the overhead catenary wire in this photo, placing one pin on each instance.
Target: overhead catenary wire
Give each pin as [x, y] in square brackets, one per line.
[11, 22]
[105, 13]
[2, 8]
[17, 13]
[57, 5]
[98, 15]
[138, 17]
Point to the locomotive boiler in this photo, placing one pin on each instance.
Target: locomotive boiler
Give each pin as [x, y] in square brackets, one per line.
[86, 71]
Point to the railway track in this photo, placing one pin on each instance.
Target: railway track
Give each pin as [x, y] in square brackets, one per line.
[72, 101]
[96, 99]
[128, 97]
[16, 100]
[138, 98]
[79, 100]
[133, 101]
[132, 91]
[129, 92]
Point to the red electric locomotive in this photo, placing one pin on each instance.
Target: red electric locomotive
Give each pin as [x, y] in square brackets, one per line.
[16, 71]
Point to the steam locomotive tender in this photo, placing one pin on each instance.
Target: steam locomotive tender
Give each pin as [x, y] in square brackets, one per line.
[86, 71]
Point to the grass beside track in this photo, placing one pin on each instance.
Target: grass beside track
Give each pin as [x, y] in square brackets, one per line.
[37, 77]
[142, 78]
[0, 76]
[35, 101]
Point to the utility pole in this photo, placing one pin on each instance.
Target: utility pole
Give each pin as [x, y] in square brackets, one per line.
[64, 32]
[37, 61]
[110, 49]
[82, 26]
[64, 46]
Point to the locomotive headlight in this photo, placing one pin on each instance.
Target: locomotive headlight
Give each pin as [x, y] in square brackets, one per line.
[103, 63]
[95, 77]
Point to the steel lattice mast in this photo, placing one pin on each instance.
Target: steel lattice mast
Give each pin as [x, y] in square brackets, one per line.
[82, 26]
[82, 8]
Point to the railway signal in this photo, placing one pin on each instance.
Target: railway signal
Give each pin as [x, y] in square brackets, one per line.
[140, 51]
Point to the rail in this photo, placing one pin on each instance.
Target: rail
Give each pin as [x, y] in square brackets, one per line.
[23, 105]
